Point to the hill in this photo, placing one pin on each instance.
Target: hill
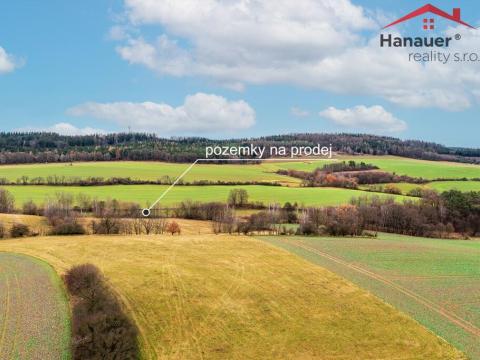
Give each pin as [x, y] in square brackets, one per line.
[17, 148]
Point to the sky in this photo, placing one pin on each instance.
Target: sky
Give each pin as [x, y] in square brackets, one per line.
[234, 68]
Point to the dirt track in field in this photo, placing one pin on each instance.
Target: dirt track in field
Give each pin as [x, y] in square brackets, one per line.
[34, 320]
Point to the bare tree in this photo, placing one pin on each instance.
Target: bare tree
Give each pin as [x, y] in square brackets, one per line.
[7, 202]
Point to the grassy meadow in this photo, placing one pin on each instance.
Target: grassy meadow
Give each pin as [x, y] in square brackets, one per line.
[234, 297]
[435, 281]
[439, 186]
[34, 312]
[145, 195]
[144, 170]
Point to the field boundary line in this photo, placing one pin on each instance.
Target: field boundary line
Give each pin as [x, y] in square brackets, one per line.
[229, 160]
[464, 324]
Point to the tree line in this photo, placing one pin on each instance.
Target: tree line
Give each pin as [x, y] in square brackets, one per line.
[444, 215]
[435, 215]
[38, 147]
[56, 180]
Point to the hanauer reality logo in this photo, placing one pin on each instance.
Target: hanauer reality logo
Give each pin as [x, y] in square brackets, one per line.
[428, 24]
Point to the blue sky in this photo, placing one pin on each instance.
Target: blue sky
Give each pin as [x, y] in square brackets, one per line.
[114, 65]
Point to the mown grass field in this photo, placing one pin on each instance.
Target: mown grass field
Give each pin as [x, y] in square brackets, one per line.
[233, 297]
[34, 313]
[436, 281]
[142, 170]
[145, 195]
[441, 186]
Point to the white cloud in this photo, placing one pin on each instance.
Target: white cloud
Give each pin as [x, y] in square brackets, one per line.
[297, 112]
[65, 129]
[7, 62]
[317, 44]
[374, 118]
[199, 113]
[263, 37]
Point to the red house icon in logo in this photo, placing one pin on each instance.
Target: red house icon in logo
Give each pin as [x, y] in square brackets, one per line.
[429, 23]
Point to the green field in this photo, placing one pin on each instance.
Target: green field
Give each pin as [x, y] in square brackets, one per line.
[401, 166]
[439, 186]
[34, 313]
[142, 170]
[234, 297]
[233, 172]
[145, 195]
[437, 282]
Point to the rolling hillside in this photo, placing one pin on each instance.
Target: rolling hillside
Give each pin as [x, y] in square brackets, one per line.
[237, 298]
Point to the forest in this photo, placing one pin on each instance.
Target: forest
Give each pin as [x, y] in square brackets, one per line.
[21, 148]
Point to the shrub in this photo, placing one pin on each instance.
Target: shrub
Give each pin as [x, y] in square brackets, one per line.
[307, 228]
[19, 230]
[68, 228]
[3, 232]
[30, 208]
[199, 211]
[173, 228]
[243, 228]
[416, 192]
[101, 330]
[107, 226]
[262, 221]
[238, 197]
[392, 189]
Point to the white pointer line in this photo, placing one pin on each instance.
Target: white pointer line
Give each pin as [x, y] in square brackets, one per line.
[232, 160]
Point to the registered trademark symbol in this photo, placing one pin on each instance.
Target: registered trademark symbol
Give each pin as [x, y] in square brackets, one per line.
[458, 37]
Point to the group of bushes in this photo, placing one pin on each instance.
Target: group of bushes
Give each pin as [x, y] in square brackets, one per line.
[194, 210]
[62, 219]
[101, 329]
[433, 216]
[139, 226]
[266, 221]
[334, 221]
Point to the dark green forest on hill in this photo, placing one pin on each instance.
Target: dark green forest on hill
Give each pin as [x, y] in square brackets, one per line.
[18, 148]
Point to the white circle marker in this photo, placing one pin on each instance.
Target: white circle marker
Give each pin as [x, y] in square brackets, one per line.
[146, 212]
